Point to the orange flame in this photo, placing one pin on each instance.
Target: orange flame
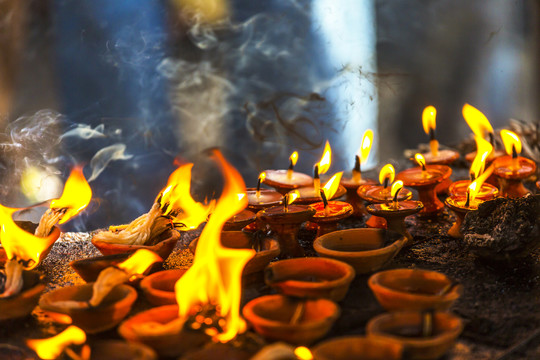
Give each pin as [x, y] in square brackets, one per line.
[326, 160]
[303, 353]
[20, 244]
[477, 121]
[387, 172]
[294, 158]
[475, 186]
[332, 185]
[365, 146]
[510, 140]
[262, 176]
[484, 148]
[396, 187]
[76, 196]
[428, 118]
[292, 196]
[420, 160]
[139, 261]
[216, 273]
[177, 193]
[52, 347]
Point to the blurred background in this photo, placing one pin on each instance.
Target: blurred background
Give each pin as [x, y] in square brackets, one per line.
[131, 89]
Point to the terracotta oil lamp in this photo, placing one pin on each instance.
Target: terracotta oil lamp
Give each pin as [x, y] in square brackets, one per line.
[310, 277]
[358, 347]
[240, 220]
[513, 169]
[21, 304]
[259, 199]
[380, 194]
[295, 321]
[158, 288]
[328, 213]
[436, 156]
[356, 179]
[414, 289]
[422, 335]
[396, 211]
[424, 179]
[286, 180]
[366, 250]
[286, 220]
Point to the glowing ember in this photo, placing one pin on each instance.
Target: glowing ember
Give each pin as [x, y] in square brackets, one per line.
[387, 175]
[215, 276]
[428, 121]
[477, 121]
[483, 151]
[53, 347]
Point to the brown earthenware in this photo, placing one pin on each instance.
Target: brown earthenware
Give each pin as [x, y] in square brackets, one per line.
[414, 289]
[107, 315]
[366, 250]
[164, 245]
[310, 277]
[159, 287]
[275, 179]
[406, 329]
[172, 345]
[358, 348]
[239, 221]
[512, 180]
[25, 301]
[121, 350]
[299, 322]
[359, 210]
[269, 249]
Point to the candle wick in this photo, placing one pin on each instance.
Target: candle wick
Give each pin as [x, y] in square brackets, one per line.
[291, 165]
[514, 152]
[423, 167]
[431, 134]
[385, 183]
[357, 164]
[324, 199]
[468, 201]
[316, 172]
[492, 140]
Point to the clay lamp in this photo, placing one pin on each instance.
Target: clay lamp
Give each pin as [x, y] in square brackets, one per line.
[259, 199]
[512, 169]
[461, 205]
[174, 209]
[424, 179]
[358, 347]
[286, 180]
[422, 335]
[295, 321]
[396, 211]
[436, 156]
[310, 277]
[208, 294]
[380, 194]
[267, 248]
[328, 213]
[414, 289]
[366, 250]
[481, 128]
[286, 220]
[159, 287]
[352, 183]
[240, 220]
[99, 306]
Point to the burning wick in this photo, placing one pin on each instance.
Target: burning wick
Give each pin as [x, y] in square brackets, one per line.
[386, 176]
[293, 159]
[512, 145]
[357, 172]
[422, 163]
[363, 153]
[322, 167]
[262, 176]
[428, 121]
[288, 199]
[316, 179]
[396, 188]
[325, 202]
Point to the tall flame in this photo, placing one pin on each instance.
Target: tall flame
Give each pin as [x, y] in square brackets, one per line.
[20, 244]
[475, 186]
[75, 197]
[139, 261]
[477, 121]
[53, 347]
[326, 160]
[215, 276]
[428, 118]
[365, 146]
[483, 149]
[511, 141]
[294, 158]
[177, 193]
[387, 172]
[332, 185]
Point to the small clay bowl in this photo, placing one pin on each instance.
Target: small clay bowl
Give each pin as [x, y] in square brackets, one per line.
[240, 240]
[278, 180]
[171, 345]
[107, 315]
[308, 196]
[159, 287]
[406, 328]
[310, 277]
[271, 316]
[240, 220]
[366, 250]
[89, 268]
[414, 289]
[26, 300]
[359, 348]
[164, 245]
[121, 350]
